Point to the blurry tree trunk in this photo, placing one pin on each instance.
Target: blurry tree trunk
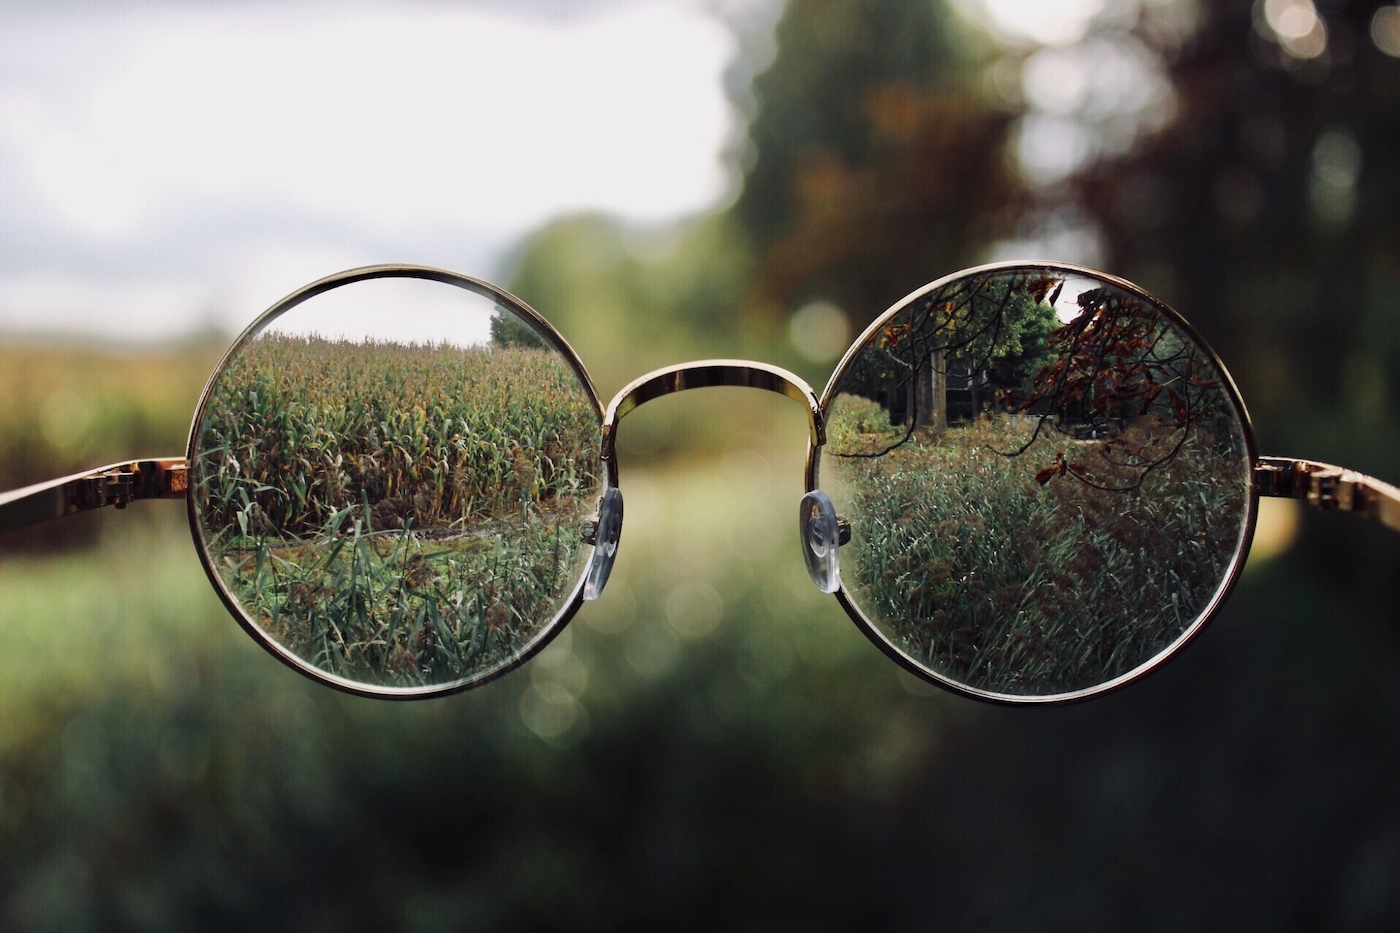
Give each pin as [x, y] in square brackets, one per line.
[931, 393]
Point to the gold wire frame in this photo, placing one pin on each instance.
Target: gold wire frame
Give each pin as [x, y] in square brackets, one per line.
[1322, 485]
[546, 633]
[1232, 573]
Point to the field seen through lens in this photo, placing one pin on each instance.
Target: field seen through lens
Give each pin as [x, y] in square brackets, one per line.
[1069, 517]
[398, 514]
[989, 578]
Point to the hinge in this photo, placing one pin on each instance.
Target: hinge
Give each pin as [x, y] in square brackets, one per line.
[1329, 487]
[94, 492]
[1322, 485]
[141, 479]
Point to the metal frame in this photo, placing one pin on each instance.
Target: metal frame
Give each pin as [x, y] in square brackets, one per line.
[546, 633]
[1323, 485]
[1329, 487]
[116, 484]
[701, 375]
[1241, 548]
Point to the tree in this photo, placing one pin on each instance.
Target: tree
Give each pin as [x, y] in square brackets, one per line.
[509, 330]
[1116, 365]
[879, 164]
[1267, 210]
[995, 327]
[1116, 362]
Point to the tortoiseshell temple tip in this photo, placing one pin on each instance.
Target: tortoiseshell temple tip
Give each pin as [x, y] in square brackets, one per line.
[115, 484]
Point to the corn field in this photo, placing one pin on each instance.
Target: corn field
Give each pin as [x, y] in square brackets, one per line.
[397, 514]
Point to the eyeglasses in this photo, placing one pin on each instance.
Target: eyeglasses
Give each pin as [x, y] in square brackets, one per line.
[1026, 482]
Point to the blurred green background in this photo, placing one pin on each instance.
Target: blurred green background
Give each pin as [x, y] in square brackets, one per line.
[714, 745]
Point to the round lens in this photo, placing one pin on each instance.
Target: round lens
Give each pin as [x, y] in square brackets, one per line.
[389, 480]
[1047, 476]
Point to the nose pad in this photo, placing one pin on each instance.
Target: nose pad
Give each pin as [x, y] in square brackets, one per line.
[606, 530]
[821, 538]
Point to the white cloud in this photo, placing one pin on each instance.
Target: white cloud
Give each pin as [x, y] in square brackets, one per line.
[214, 130]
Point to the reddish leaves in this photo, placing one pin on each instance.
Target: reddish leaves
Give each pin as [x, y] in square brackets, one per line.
[1117, 362]
[1059, 467]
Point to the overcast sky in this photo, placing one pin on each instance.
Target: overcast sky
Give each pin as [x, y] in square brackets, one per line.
[165, 167]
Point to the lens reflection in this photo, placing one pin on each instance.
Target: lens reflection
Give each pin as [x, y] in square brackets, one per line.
[390, 480]
[1047, 480]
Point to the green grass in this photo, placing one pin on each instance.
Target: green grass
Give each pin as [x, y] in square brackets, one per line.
[157, 768]
[984, 575]
[397, 609]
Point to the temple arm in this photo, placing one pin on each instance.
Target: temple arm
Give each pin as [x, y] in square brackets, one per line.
[116, 484]
[1329, 487]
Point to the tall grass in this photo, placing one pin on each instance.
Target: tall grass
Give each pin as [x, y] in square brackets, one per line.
[398, 514]
[984, 575]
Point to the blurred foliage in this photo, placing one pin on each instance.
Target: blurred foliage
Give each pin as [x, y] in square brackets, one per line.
[1267, 213]
[715, 745]
[159, 772]
[630, 301]
[881, 165]
[68, 409]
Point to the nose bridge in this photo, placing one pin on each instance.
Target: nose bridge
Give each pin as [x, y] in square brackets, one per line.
[703, 374]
